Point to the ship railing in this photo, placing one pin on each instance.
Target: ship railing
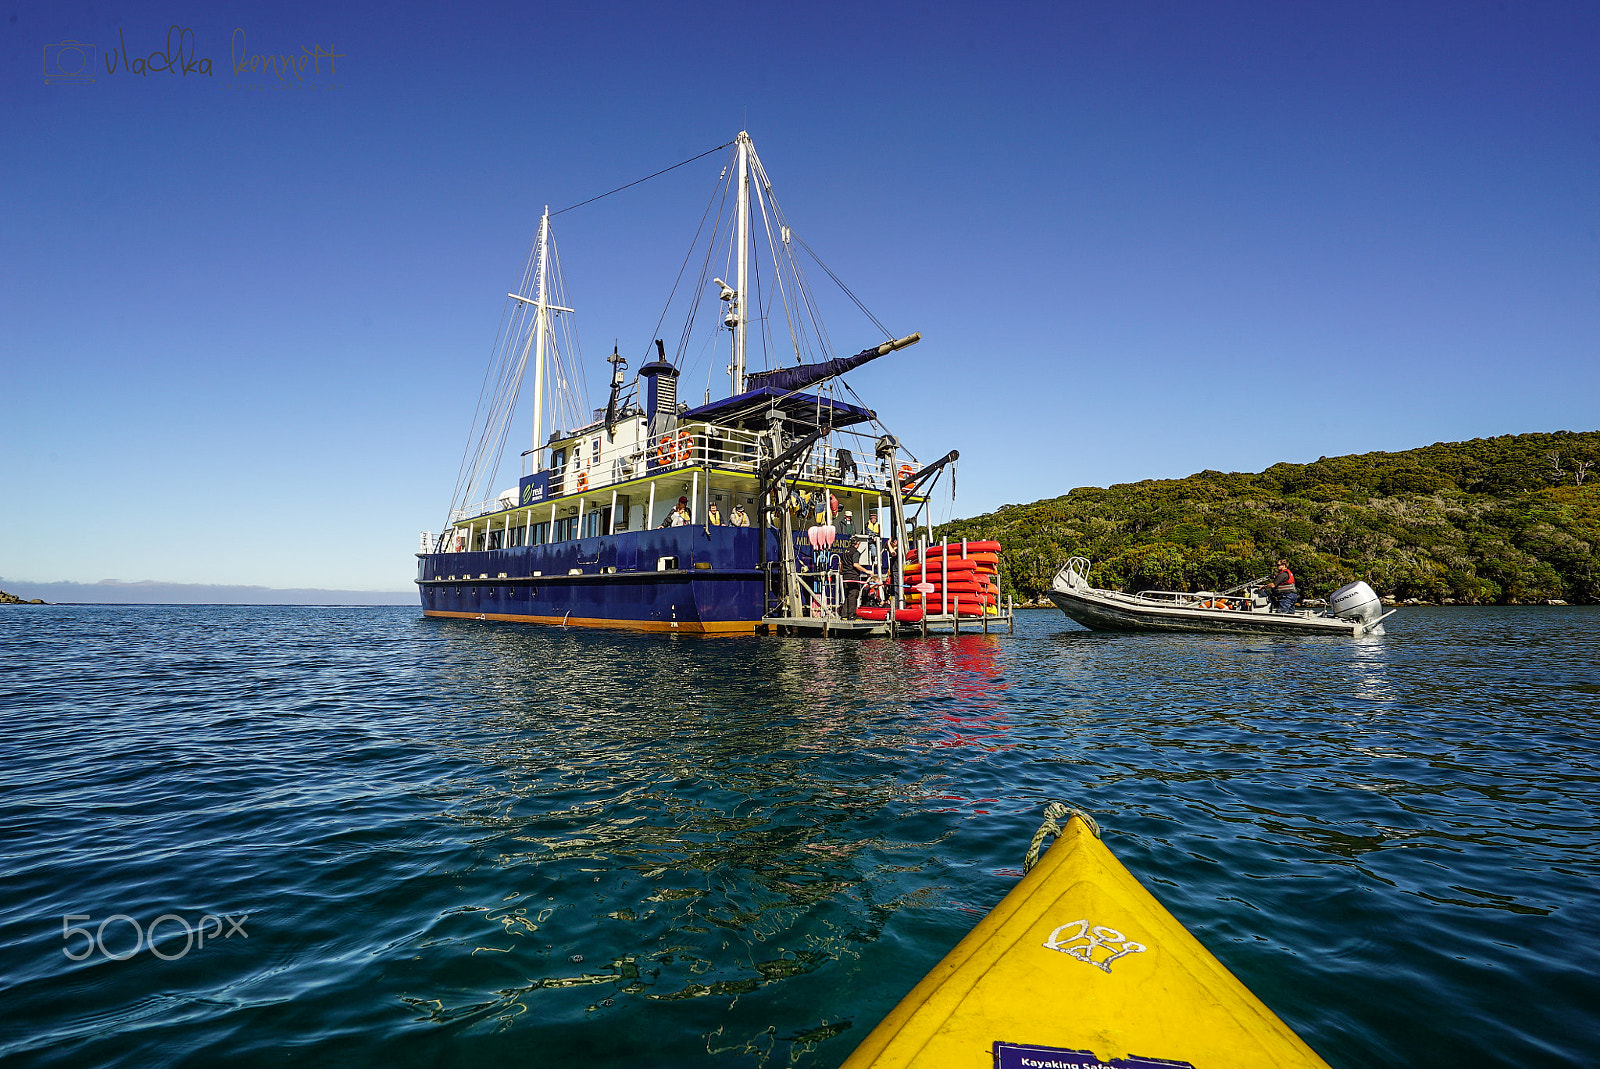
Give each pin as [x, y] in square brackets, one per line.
[697, 445]
[1176, 596]
[700, 444]
[468, 512]
[693, 445]
[822, 464]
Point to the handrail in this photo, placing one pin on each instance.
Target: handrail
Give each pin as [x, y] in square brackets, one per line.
[692, 445]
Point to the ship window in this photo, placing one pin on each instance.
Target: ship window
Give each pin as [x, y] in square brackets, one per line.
[666, 564]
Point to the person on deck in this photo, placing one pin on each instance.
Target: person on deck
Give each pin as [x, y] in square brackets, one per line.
[680, 514]
[714, 516]
[873, 527]
[847, 526]
[739, 519]
[857, 575]
[1282, 589]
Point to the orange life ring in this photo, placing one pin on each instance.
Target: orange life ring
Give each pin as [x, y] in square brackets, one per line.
[583, 481]
[906, 471]
[685, 445]
[666, 451]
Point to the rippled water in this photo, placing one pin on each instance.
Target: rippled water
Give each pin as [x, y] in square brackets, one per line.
[448, 842]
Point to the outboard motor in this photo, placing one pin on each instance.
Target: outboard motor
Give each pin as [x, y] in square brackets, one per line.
[1355, 601]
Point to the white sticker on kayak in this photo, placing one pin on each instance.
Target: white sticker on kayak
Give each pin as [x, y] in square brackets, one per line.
[1097, 945]
[1028, 1056]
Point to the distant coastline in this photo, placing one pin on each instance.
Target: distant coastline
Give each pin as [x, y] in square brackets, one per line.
[152, 592]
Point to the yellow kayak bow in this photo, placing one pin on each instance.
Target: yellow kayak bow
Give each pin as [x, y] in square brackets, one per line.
[1079, 966]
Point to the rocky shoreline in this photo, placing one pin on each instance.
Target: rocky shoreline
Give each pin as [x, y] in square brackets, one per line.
[1317, 603]
[12, 599]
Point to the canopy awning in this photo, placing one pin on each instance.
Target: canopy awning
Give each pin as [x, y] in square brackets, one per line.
[808, 409]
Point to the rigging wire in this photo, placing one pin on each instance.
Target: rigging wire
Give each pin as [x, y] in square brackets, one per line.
[509, 329]
[846, 289]
[646, 178]
[681, 352]
[569, 359]
[799, 339]
[745, 302]
[718, 188]
[782, 291]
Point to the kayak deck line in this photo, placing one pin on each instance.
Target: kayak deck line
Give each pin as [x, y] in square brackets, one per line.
[1081, 966]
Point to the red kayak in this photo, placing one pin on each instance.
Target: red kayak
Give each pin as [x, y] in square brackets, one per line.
[955, 587]
[979, 560]
[903, 616]
[954, 549]
[933, 575]
[954, 575]
[950, 564]
[935, 552]
[961, 602]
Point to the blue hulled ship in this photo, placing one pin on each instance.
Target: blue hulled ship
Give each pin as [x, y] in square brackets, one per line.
[782, 501]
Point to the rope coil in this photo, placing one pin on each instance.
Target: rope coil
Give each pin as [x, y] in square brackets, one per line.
[1056, 816]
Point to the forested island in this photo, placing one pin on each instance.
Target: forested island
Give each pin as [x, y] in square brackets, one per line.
[1507, 520]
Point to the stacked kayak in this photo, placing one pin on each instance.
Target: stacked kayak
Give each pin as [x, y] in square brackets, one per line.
[963, 578]
[1080, 966]
[901, 616]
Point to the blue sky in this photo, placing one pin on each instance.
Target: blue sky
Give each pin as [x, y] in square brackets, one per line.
[242, 330]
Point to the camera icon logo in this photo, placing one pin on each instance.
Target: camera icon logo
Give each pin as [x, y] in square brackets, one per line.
[69, 62]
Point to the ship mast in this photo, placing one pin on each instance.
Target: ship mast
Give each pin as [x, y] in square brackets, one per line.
[540, 326]
[740, 317]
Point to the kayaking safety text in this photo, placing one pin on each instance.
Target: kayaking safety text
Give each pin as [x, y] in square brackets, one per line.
[1026, 1056]
[1097, 945]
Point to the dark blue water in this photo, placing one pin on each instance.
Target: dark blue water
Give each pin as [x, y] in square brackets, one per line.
[409, 842]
